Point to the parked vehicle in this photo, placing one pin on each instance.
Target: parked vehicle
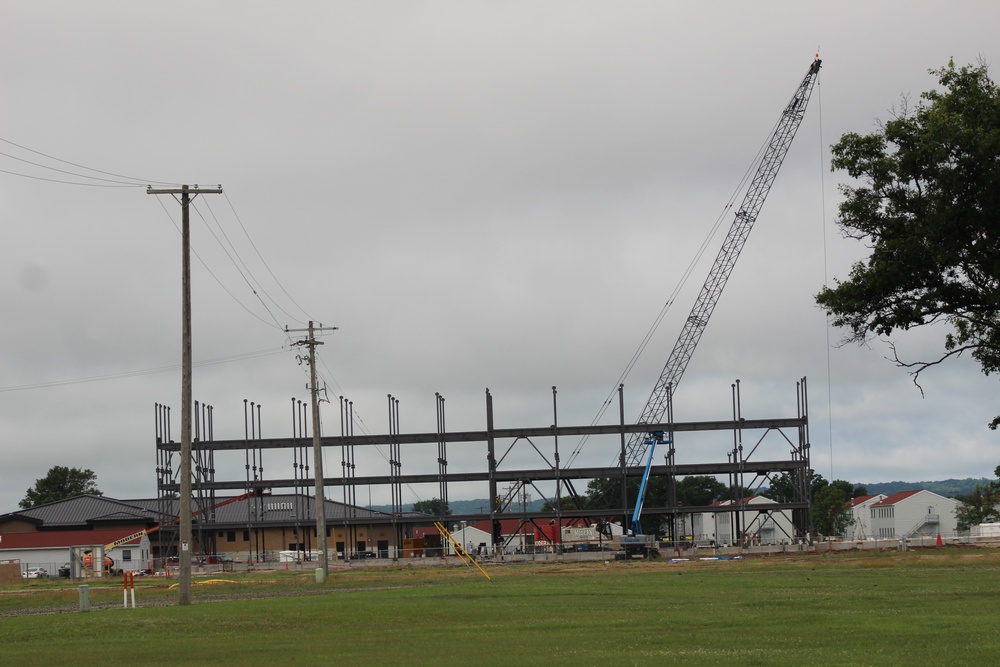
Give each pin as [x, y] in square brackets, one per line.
[64, 570]
[36, 573]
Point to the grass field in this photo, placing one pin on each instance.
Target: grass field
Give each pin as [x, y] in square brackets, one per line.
[918, 608]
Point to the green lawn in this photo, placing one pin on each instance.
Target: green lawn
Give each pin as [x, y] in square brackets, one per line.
[937, 608]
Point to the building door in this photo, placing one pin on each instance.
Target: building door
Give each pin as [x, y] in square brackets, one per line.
[383, 548]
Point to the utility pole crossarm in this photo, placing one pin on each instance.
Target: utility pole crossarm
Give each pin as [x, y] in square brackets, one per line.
[192, 190]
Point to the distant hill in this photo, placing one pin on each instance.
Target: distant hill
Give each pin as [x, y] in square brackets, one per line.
[482, 506]
[949, 488]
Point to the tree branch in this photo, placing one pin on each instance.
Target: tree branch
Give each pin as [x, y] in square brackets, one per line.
[921, 366]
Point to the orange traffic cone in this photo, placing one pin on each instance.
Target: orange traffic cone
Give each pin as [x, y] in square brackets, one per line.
[939, 541]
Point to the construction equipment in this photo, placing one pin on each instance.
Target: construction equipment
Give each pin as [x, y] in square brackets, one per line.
[635, 542]
[767, 169]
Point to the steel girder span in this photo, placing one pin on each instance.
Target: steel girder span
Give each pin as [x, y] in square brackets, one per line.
[503, 464]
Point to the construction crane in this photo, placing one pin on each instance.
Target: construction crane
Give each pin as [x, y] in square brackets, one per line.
[635, 543]
[746, 215]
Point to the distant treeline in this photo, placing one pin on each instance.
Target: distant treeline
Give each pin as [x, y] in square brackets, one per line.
[949, 488]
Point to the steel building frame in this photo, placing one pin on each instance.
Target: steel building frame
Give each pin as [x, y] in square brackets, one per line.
[742, 467]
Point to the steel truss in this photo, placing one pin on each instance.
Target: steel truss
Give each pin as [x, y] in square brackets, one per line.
[743, 467]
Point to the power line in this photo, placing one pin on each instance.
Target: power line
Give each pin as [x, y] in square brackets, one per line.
[215, 277]
[138, 181]
[242, 263]
[255, 285]
[233, 261]
[139, 373]
[71, 173]
[263, 261]
[62, 182]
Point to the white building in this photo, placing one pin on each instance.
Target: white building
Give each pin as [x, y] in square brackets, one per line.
[472, 539]
[52, 550]
[913, 514]
[861, 528]
[986, 530]
[761, 523]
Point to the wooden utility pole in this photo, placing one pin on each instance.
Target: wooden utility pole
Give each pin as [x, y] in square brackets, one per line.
[320, 501]
[186, 192]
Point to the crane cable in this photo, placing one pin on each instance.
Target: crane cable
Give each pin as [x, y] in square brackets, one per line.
[826, 273]
[713, 231]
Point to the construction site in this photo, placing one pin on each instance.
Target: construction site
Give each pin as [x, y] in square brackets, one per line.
[638, 450]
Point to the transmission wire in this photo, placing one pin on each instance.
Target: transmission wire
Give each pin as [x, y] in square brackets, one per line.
[139, 181]
[214, 277]
[264, 262]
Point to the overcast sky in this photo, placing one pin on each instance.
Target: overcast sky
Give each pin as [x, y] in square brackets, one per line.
[477, 194]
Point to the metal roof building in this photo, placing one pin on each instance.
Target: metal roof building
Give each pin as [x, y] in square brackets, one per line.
[247, 527]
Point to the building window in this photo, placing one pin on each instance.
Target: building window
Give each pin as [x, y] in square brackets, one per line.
[126, 554]
[230, 536]
[246, 535]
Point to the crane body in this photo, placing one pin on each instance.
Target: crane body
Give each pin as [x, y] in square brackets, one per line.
[635, 542]
[746, 215]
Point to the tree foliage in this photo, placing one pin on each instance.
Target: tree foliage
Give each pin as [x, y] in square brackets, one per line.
[433, 507]
[690, 491]
[926, 200]
[831, 508]
[605, 493]
[980, 506]
[783, 487]
[700, 490]
[565, 503]
[61, 483]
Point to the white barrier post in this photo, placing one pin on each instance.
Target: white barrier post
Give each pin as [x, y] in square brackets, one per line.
[127, 585]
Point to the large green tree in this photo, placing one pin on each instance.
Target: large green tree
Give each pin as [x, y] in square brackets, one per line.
[925, 198]
[782, 488]
[700, 490]
[831, 508]
[61, 483]
[980, 506]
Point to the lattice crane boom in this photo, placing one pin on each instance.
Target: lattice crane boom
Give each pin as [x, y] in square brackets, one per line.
[746, 215]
